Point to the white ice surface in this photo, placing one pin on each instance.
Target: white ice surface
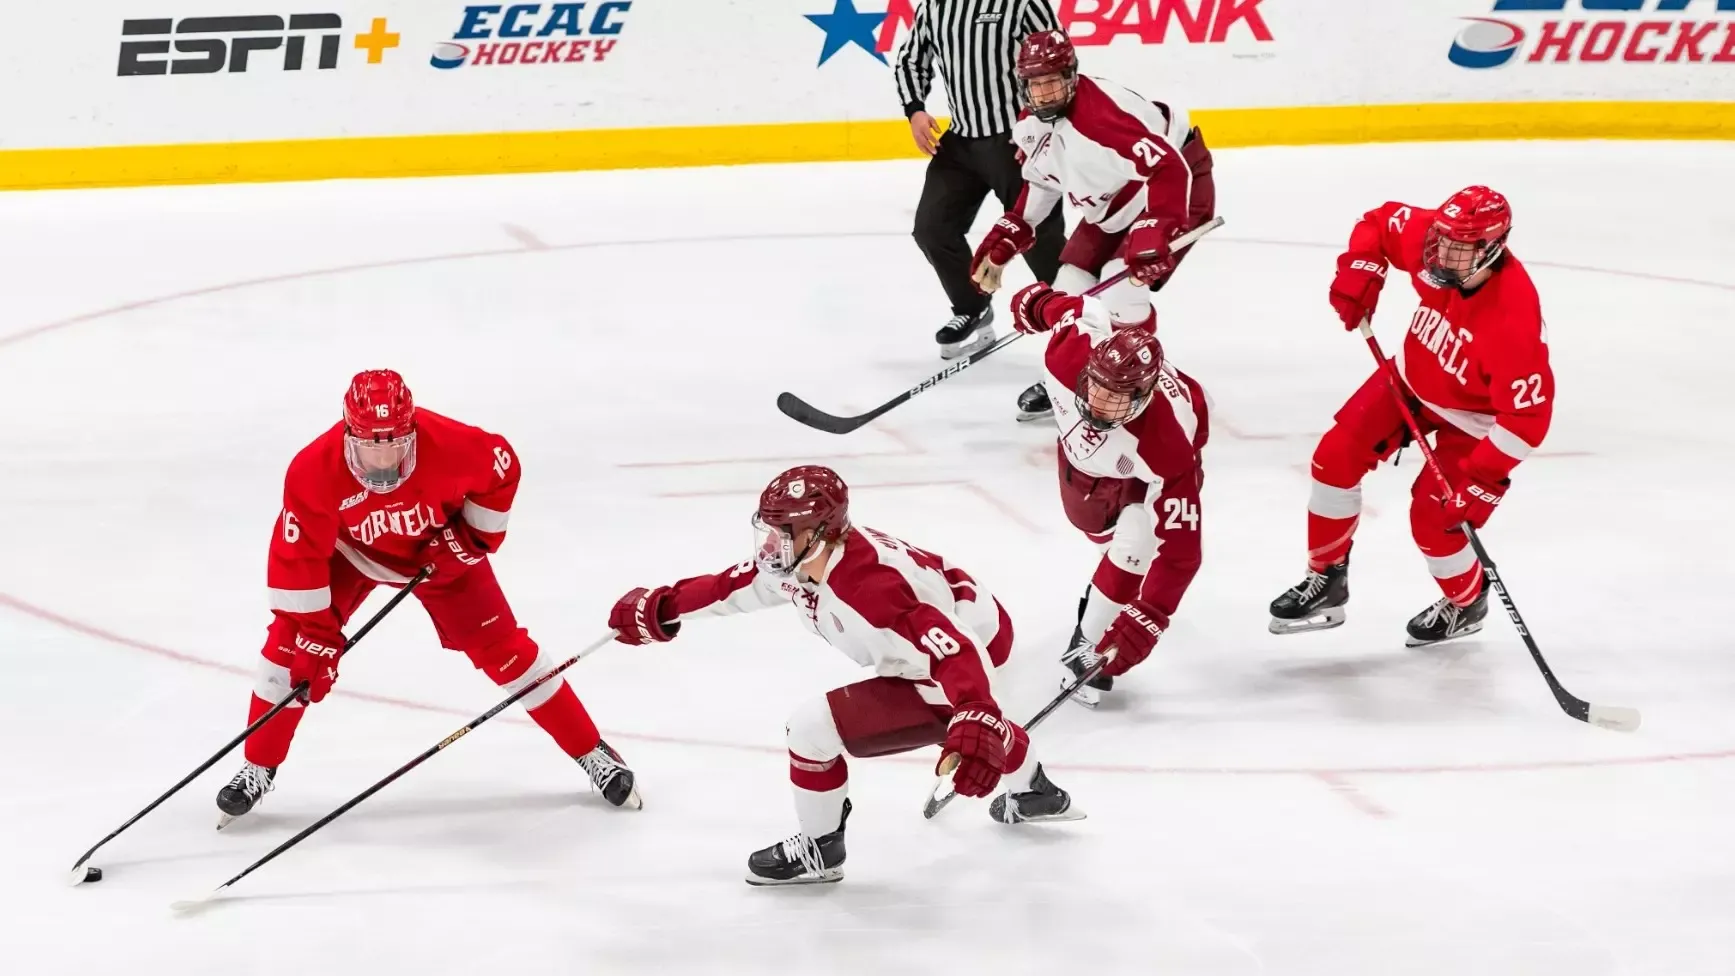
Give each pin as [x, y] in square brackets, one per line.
[1323, 804]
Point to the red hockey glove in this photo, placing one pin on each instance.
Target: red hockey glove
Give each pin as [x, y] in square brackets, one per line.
[1010, 236]
[1038, 308]
[318, 645]
[1134, 633]
[453, 551]
[1355, 292]
[637, 618]
[979, 737]
[1149, 259]
[1473, 501]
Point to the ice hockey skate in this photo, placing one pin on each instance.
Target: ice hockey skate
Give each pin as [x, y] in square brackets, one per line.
[1034, 405]
[964, 334]
[1446, 620]
[1315, 603]
[1042, 803]
[611, 777]
[800, 859]
[244, 792]
[1079, 658]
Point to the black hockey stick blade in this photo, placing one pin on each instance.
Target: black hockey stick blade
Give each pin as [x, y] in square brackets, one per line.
[802, 412]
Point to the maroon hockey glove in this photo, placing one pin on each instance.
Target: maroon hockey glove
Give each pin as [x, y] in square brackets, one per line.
[979, 737]
[1134, 632]
[1010, 236]
[1149, 259]
[453, 551]
[1473, 501]
[318, 644]
[1355, 292]
[638, 617]
[1038, 308]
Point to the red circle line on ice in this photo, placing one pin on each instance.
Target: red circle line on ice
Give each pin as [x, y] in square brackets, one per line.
[1328, 775]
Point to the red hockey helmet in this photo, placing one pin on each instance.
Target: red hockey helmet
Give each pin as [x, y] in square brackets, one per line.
[379, 420]
[1047, 69]
[1118, 378]
[1468, 234]
[800, 510]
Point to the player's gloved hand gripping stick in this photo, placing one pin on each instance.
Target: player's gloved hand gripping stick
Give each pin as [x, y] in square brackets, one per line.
[1606, 716]
[803, 412]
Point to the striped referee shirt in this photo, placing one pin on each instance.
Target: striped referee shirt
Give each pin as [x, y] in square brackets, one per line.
[974, 46]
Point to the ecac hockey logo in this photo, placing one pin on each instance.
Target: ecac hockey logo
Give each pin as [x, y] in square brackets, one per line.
[1630, 31]
[523, 33]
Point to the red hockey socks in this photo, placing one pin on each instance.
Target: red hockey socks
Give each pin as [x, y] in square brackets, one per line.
[563, 717]
[270, 745]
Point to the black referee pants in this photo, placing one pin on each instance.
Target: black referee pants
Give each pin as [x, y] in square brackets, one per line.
[960, 175]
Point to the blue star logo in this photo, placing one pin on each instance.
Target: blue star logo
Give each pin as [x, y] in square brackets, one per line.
[846, 25]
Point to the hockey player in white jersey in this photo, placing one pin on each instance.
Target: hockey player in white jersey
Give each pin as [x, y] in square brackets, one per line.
[932, 634]
[1138, 172]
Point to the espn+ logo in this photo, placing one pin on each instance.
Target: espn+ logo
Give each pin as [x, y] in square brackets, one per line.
[1595, 31]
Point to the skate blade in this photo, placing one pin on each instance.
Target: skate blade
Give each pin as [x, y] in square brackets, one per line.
[1085, 695]
[1324, 620]
[1027, 417]
[1069, 814]
[828, 876]
[225, 819]
[1413, 642]
[958, 350]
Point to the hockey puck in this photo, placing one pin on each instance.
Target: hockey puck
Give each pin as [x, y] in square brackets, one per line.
[92, 875]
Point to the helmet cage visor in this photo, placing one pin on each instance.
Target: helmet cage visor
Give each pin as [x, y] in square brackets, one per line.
[1105, 407]
[381, 464]
[1451, 258]
[1048, 95]
[775, 551]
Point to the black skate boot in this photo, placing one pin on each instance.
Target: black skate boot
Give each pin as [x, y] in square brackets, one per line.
[244, 792]
[1079, 658]
[964, 334]
[1315, 603]
[1446, 620]
[611, 777]
[1034, 405]
[1042, 803]
[800, 859]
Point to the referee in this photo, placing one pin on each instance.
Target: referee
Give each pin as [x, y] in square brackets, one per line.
[974, 45]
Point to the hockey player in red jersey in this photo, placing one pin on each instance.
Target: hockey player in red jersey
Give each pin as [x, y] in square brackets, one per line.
[932, 634]
[1138, 172]
[387, 490]
[1475, 369]
[1131, 430]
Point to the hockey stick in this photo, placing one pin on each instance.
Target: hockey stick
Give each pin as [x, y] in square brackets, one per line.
[942, 793]
[79, 874]
[1606, 716]
[194, 904]
[802, 412]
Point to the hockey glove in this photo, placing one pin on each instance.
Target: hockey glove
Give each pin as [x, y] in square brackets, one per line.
[318, 645]
[1355, 292]
[453, 551]
[1473, 501]
[979, 737]
[637, 618]
[1010, 236]
[1149, 259]
[1038, 308]
[1134, 633]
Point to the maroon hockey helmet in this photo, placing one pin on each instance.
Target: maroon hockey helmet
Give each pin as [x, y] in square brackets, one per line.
[1047, 69]
[1118, 378]
[379, 423]
[809, 500]
[1468, 234]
